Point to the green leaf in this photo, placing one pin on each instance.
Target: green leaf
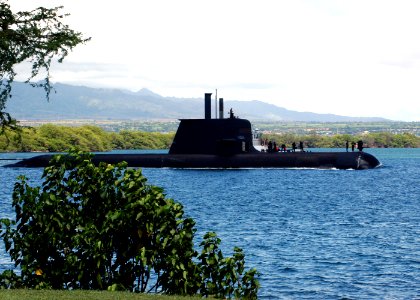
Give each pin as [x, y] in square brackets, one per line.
[124, 242]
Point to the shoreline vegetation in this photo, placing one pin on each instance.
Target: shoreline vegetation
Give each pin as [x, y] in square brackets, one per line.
[58, 138]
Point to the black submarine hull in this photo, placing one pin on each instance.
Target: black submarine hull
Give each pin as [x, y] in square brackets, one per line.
[320, 160]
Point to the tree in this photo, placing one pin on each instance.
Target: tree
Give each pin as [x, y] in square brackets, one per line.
[36, 36]
[103, 227]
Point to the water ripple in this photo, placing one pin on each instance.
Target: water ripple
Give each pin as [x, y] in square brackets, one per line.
[313, 234]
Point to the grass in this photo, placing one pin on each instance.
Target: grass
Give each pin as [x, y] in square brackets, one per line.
[85, 295]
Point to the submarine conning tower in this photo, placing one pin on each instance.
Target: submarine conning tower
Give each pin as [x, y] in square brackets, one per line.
[219, 136]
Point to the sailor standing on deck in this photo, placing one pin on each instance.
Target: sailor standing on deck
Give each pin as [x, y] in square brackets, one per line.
[270, 146]
[301, 146]
[360, 145]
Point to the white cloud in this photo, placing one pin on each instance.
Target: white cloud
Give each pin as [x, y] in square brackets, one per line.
[357, 58]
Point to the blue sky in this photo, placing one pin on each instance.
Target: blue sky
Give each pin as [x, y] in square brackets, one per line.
[354, 58]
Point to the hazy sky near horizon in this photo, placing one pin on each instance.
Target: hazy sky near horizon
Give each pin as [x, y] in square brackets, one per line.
[353, 58]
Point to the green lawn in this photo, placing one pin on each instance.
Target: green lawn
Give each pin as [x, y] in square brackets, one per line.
[85, 295]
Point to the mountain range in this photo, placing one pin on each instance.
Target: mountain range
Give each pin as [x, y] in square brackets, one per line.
[81, 102]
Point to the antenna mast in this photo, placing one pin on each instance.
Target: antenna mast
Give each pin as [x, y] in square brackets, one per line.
[215, 106]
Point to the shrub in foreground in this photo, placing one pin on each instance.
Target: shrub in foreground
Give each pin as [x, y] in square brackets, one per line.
[103, 227]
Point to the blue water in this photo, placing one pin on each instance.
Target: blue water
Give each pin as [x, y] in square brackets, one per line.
[312, 234]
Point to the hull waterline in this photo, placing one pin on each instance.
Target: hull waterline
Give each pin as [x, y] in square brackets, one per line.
[324, 160]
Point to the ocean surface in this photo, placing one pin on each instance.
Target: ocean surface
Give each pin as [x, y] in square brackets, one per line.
[312, 234]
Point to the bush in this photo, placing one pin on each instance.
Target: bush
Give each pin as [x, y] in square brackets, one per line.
[103, 227]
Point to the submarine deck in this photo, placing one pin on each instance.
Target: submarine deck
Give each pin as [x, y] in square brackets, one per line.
[324, 160]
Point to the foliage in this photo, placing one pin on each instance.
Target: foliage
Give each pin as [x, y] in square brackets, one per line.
[9, 279]
[36, 36]
[331, 128]
[103, 227]
[225, 277]
[128, 139]
[372, 140]
[55, 138]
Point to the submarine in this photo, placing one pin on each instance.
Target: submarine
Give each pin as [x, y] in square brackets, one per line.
[224, 143]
